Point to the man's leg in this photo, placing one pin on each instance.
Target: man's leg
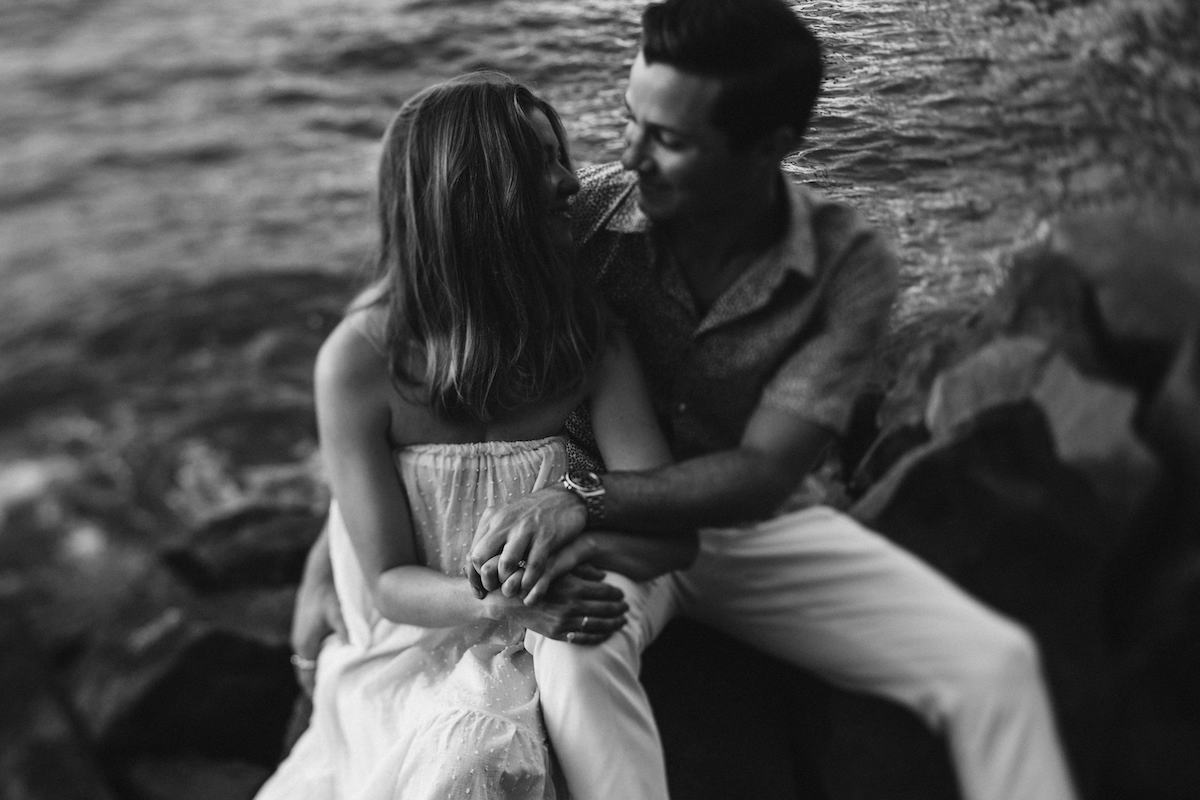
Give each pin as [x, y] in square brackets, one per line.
[596, 711]
[820, 591]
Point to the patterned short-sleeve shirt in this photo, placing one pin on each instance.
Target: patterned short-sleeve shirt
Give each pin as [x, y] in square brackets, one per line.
[795, 332]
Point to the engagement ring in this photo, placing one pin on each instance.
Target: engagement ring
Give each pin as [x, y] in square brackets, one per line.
[300, 662]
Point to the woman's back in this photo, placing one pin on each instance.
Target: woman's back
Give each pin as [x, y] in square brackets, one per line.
[361, 339]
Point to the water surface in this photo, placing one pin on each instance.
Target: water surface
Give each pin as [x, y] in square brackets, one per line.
[142, 137]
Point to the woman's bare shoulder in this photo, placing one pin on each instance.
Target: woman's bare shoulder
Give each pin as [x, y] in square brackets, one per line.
[349, 359]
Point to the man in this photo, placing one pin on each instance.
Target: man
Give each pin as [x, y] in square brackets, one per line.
[754, 306]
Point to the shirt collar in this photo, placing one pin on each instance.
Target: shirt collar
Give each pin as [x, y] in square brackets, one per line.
[795, 252]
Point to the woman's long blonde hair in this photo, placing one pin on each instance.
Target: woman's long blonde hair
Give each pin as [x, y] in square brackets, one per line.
[467, 266]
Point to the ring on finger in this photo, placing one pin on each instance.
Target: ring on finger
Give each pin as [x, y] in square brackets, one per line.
[302, 663]
[583, 625]
[521, 564]
[571, 636]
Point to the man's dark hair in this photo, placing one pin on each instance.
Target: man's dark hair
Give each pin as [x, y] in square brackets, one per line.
[767, 59]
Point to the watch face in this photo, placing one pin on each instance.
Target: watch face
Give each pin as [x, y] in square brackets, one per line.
[587, 481]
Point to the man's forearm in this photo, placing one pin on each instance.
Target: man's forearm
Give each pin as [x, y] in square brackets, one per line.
[741, 484]
[641, 557]
[722, 488]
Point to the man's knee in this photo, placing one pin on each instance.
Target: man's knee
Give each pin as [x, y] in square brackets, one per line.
[1003, 664]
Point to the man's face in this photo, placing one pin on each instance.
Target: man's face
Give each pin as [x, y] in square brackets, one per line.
[684, 164]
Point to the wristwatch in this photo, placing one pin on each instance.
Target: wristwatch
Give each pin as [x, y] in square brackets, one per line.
[588, 487]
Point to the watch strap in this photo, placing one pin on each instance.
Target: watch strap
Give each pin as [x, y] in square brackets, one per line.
[592, 497]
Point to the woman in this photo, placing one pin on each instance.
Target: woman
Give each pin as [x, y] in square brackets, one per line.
[442, 392]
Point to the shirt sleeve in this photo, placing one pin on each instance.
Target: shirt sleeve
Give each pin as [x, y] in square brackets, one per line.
[822, 378]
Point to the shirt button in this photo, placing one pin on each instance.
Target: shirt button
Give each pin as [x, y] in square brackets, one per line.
[681, 408]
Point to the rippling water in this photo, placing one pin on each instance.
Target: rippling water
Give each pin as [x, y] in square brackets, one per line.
[148, 135]
[958, 125]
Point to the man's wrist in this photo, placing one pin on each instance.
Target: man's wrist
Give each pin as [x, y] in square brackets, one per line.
[588, 488]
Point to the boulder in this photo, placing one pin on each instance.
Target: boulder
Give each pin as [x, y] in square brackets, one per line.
[1156, 695]
[712, 695]
[44, 752]
[195, 778]
[1172, 426]
[1090, 421]
[1092, 425]
[1045, 457]
[780, 732]
[184, 686]
[1144, 267]
[254, 546]
[1003, 372]
[1044, 306]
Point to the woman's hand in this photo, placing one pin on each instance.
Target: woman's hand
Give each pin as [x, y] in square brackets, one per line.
[638, 558]
[318, 613]
[578, 608]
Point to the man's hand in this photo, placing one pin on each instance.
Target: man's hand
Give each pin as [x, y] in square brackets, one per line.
[578, 608]
[318, 613]
[524, 533]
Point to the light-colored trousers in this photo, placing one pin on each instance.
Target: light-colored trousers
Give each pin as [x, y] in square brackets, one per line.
[819, 591]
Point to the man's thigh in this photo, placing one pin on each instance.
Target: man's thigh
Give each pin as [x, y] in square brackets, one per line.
[820, 591]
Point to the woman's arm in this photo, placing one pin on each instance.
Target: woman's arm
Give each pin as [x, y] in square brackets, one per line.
[353, 420]
[317, 614]
[629, 438]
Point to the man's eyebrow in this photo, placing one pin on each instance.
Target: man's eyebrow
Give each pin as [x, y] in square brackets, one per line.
[654, 125]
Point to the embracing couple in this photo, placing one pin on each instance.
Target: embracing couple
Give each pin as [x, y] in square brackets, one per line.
[695, 322]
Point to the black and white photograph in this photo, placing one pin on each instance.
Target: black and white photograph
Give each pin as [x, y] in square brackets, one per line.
[600, 400]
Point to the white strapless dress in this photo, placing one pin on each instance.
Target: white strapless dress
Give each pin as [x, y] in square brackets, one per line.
[403, 712]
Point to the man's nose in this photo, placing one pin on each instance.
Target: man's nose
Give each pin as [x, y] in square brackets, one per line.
[633, 158]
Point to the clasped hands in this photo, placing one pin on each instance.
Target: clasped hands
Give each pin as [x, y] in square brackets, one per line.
[534, 549]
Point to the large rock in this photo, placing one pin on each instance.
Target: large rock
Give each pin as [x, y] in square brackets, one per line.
[782, 734]
[1156, 697]
[195, 778]
[1045, 457]
[703, 686]
[1044, 305]
[184, 686]
[44, 753]
[1091, 422]
[996, 510]
[1144, 270]
[1172, 425]
[259, 545]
